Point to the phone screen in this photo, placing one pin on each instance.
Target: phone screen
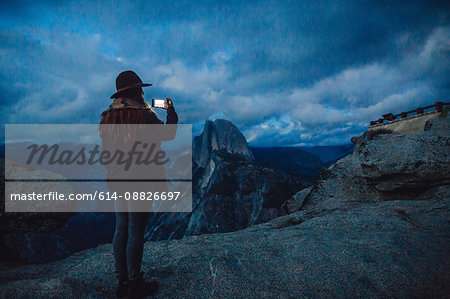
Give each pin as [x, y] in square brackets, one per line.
[158, 103]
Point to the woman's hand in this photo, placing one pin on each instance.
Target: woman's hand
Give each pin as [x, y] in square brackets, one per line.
[169, 103]
[172, 117]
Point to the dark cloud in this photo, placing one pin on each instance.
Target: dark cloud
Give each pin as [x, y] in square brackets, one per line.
[286, 72]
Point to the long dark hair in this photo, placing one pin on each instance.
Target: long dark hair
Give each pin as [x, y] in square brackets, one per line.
[136, 95]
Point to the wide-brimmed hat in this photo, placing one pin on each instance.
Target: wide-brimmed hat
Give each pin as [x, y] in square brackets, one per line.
[127, 80]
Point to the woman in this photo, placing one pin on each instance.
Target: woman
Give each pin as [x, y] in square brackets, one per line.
[129, 107]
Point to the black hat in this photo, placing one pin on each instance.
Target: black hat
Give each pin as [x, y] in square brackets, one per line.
[127, 80]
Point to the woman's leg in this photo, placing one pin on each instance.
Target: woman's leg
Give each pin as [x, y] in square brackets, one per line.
[137, 222]
[120, 244]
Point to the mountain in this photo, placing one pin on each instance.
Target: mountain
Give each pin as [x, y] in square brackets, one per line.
[230, 191]
[219, 135]
[375, 224]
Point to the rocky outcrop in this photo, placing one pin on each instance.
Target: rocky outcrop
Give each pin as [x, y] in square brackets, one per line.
[294, 203]
[387, 166]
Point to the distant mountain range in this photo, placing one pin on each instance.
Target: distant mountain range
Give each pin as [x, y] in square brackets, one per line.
[303, 161]
[329, 154]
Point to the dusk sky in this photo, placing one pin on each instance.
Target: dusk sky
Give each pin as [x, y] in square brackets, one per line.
[284, 72]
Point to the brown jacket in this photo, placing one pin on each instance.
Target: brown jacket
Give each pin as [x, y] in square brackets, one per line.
[115, 138]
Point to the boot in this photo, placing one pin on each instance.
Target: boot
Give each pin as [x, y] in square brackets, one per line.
[138, 288]
[122, 287]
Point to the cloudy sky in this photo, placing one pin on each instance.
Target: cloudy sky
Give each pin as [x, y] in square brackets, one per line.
[285, 72]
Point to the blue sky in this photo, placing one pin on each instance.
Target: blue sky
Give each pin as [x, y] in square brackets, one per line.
[285, 72]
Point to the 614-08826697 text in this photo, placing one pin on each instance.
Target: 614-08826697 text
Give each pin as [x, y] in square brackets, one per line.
[57, 196]
[140, 195]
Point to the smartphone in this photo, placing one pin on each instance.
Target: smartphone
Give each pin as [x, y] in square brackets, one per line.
[158, 103]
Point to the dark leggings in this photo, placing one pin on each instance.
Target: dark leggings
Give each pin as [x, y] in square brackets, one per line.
[128, 243]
